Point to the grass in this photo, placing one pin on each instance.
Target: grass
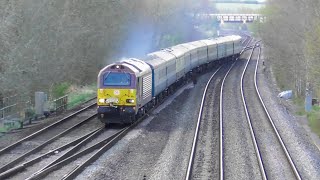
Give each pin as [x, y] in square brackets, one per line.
[78, 95]
[60, 90]
[314, 120]
[313, 116]
[9, 126]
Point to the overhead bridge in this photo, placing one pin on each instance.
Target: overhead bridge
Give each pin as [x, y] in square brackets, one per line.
[233, 18]
[239, 1]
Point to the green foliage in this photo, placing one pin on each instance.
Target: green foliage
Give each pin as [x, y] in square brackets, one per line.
[61, 89]
[300, 103]
[313, 116]
[312, 54]
[75, 100]
[267, 10]
[7, 126]
[255, 28]
[80, 95]
[314, 120]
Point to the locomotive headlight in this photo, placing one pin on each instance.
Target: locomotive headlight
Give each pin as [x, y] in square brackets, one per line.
[101, 101]
[130, 100]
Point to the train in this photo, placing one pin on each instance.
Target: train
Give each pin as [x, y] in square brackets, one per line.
[129, 88]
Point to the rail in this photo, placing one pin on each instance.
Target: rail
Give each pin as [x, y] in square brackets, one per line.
[253, 137]
[195, 137]
[221, 116]
[293, 166]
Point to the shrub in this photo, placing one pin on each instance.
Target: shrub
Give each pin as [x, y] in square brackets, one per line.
[59, 90]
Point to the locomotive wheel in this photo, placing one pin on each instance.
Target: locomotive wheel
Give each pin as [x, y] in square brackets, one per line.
[132, 119]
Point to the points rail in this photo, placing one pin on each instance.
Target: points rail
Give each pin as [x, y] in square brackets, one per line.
[8, 148]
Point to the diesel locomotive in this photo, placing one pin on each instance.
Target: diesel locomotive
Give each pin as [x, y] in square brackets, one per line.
[129, 88]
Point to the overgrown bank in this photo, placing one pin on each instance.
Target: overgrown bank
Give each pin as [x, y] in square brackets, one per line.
[292, 47]
[50, 42]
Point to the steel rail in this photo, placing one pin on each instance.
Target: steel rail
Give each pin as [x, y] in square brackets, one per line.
[253, 137]
[195, 137]
[42, 173]
[102, 147]
[27, 164]
[38, 148]
[221, 124]
[273, 125]
[74, 173]
[246, 46]
[107, 146]
[221, 116]
[6, 149]
[74, 149]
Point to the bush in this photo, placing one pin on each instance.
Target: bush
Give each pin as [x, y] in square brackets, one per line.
[60, 89]
[314, 120]
[79, 95]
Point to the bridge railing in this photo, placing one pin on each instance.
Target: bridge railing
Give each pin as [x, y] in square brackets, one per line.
[232, 17]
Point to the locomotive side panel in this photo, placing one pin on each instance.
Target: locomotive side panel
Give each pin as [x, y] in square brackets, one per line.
[158, 67]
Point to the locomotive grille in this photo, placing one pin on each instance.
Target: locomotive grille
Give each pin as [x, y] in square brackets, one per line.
[146, 86]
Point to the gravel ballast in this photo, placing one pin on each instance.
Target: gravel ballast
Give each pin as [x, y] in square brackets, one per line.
[274, 160]
[301, 146]
[240, 160]
[159, 147]
[206, 158]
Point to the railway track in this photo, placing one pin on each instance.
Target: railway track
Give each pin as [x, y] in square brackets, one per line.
[274, 159]
[42, 141]
[78, 158]
[209, 104]
[200, 119]
[71, 166]
[75, 156]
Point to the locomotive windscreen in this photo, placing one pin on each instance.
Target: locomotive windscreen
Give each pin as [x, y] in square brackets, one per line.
[116, 79]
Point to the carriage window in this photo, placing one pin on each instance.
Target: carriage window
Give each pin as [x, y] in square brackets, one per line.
[116, 79]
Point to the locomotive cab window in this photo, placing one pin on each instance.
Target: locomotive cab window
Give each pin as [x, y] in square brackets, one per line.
[117, 79]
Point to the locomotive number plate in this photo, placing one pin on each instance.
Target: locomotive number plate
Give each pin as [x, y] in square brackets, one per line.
[112, 100]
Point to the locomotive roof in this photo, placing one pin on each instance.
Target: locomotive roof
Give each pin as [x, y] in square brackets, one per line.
[189, 46]
[163, 54]
[198, 44]
[138, 66]
[177, 50]
[154, 60]
[209, 42]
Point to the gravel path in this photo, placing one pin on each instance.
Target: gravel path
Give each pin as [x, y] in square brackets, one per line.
[300, 145]
[240, 160]
[159, 147]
